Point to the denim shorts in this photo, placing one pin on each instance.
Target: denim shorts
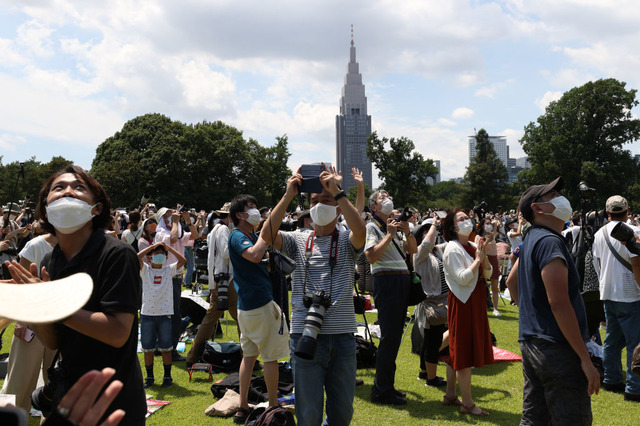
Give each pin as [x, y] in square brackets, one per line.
[155, 332]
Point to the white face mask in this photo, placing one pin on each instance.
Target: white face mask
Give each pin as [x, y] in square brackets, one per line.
[488, 228]
[563, 209]
[69, 214]
[254, 217]
[386, 206]
[465, 228]
[323, 214]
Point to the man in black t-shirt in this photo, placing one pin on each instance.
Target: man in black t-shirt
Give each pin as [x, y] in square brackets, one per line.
[559, 377]
[104, 333]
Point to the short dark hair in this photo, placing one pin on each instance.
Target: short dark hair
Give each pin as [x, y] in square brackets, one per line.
[100, 221]
[618, 216]
[449, 224]
[238, 204]
[159, 248]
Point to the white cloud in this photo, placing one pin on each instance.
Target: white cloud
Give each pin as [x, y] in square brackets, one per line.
[34, 37]
[546, 99]
[491, 90]
[462, 113]
[11, 142]
[446, 122]
[204, 87]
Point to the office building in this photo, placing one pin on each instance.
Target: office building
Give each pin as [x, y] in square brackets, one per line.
[353, 125]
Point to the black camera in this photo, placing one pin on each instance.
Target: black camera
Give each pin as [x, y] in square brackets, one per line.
[10, 251]
[405, 215]
[625, 234]
[480, 209]
[222, 281]
[46, 397]
[317, 303]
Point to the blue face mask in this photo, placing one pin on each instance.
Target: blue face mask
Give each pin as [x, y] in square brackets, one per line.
[158, 258]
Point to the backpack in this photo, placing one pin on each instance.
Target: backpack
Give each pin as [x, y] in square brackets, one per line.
[272, 416]
[224, 357]
[365, 353]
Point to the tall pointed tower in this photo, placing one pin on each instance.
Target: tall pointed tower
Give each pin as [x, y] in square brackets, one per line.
[353, 125]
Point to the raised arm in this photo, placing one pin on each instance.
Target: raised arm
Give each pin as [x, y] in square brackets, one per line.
[270, 233]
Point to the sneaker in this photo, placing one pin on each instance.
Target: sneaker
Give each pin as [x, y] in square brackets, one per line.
[423, 375]
[614, 387]
[389, 398]
[632, 397]
[148, 382]
[437, 382]
[496, 313]
[166, 382]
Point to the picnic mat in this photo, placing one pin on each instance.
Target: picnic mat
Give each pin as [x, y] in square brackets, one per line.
[499, 355]
[154, 405]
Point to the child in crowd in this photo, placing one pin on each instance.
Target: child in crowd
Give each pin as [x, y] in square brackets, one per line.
[157, 307]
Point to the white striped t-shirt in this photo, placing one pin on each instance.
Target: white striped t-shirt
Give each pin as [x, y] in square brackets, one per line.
[391, 259]
[340, 317]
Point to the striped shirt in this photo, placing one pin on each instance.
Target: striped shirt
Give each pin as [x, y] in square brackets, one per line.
[340, 317]
[391, 260]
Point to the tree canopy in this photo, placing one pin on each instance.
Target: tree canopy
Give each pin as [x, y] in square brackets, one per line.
[581, 137]
[403, 171]
[202, 165]
[35, 174]
[486, 175]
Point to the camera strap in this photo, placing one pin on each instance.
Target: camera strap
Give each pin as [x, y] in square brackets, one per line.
[614, 252]
[333, 257]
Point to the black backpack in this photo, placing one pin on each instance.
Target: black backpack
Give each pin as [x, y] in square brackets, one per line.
[272, 416]
[224, 357]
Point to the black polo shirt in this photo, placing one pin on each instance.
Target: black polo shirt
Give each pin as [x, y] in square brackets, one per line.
[115, 269]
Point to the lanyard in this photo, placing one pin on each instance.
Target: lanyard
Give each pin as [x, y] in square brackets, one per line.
[333, 257]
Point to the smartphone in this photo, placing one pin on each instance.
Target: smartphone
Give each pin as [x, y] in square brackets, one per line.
[441, 214]
[310, 178]
[28, 335]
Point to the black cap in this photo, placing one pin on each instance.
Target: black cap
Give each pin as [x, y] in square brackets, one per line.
[301, 216]
[533, 193]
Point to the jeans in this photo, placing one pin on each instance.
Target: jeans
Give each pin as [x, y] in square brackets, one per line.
[333, 369]
[155, 332]
[623, 329]
[390, 293]
[189, 267]
[555, 388]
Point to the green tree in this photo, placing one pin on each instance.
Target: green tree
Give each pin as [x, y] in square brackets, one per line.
[35, 174]
[486, 175]
[403, 171]
[581, 137]
[446, 195]
[202, 165]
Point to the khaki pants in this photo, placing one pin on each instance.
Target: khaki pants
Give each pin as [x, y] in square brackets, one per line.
[23, 369]
[210, 320]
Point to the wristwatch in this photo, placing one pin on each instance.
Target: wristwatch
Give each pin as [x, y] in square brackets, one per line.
[339, 195]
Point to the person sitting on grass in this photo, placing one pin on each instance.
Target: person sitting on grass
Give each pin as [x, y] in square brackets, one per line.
[157, 307]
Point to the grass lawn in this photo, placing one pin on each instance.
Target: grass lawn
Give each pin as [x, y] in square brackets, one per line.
[496, 388]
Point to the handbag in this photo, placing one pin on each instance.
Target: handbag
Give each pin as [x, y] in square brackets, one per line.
[279, 261]
[416, 293]
[436, 309]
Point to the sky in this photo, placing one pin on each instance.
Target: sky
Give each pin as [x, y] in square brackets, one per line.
[72, 73]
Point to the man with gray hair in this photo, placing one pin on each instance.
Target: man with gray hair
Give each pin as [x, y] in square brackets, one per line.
[619, 276]
[387, 244]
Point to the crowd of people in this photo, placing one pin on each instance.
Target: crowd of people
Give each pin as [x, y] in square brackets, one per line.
[140, 260]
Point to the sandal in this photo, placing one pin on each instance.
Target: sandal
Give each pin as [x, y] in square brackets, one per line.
[451, 400]
[470, 409]
[242, 417]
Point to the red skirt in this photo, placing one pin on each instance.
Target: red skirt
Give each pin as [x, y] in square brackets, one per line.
[469, 335]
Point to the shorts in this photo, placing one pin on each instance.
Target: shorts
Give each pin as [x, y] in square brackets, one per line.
[264, 332]
[155, 332]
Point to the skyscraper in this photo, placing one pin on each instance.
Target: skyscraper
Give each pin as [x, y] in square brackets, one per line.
[353, 125]
[499, 145]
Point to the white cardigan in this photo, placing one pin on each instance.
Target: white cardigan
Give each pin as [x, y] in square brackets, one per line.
[460, 279]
